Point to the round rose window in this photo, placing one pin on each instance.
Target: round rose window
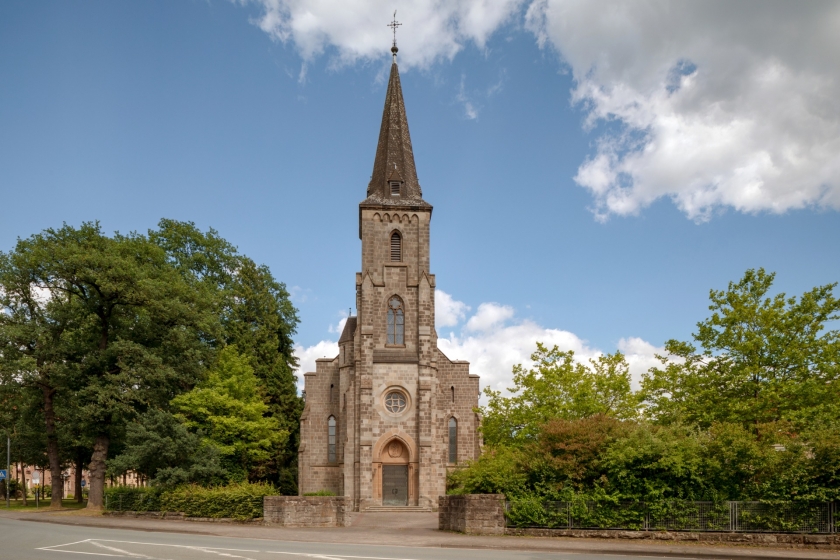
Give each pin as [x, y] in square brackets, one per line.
[395, 402]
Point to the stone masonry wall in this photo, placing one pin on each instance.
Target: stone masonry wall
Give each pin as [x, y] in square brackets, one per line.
[307, 511]
[478, 514]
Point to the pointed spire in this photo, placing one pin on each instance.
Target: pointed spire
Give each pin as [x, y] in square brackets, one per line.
[394, 163]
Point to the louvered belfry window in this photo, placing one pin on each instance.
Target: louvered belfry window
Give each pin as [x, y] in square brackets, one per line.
[395, 188]
[396, 247]
[396, 322]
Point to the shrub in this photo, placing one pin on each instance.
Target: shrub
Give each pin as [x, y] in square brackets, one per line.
[239, 501]
[320, 493]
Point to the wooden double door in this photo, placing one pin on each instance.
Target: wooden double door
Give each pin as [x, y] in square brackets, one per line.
[394, 485]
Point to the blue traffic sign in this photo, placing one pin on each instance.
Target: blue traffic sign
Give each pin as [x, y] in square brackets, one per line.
[3, 474]
[83, 483]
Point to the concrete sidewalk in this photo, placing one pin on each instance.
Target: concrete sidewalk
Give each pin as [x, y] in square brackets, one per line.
[417, 529]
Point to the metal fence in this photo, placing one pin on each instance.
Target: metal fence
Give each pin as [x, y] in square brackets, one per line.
[747, 517]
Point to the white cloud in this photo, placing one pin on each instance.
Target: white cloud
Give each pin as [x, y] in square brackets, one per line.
[339, 327]
[493, 340]
[711, 104]
[307, 356]
[470, 111]
[489, 316]
[448, 311]
[357, 29]
[717, 104]
[641, 356]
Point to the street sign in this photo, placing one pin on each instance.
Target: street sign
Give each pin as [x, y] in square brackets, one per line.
[83, 483]
[36, 477]
[3, 474]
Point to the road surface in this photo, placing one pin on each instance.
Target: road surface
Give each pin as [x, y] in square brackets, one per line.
[27, 540]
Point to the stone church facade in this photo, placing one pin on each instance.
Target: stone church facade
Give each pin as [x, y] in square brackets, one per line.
[387, 418]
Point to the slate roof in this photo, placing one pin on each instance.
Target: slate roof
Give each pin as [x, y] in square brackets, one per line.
[394, 156]
[349, 330]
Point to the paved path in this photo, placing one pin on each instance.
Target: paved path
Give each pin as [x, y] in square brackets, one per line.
[373, 536]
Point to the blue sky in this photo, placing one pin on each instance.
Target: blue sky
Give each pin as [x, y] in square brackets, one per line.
[594, 172]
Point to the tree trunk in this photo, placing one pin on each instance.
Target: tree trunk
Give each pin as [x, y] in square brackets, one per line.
[52, 448]
[96, 494]
[77, 476]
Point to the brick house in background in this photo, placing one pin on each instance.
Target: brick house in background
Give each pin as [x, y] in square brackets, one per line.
[389, 416]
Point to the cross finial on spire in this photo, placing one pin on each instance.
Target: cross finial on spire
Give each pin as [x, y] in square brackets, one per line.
[393, 25]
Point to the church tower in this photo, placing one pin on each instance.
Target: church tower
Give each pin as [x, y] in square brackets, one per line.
[387, 418]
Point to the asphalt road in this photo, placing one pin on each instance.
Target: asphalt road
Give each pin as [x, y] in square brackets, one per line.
[26, 540]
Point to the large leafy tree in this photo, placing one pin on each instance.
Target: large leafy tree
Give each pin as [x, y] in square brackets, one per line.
[34, 323]
[230, 415]
[256, 316]
[757, 359]
[136, 333]
[557, 386]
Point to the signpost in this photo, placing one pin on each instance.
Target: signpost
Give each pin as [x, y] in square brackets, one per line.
[8, 465]
[36, 480]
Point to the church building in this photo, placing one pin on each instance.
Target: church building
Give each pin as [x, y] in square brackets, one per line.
[387, 418]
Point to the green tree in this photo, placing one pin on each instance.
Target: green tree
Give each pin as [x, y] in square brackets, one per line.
[228, 411]
[257, 317]
[161, 448]
[134, 330]
[760, 359]
[33, 324]
[557, 387]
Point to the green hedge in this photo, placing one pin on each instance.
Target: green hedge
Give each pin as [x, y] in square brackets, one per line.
[240, 501]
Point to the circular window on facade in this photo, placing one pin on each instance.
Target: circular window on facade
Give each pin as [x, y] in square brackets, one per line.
[395, 402]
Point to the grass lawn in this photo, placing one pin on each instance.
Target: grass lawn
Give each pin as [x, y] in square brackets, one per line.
[18, 504]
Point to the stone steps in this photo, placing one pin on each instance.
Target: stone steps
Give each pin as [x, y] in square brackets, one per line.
[398, 509]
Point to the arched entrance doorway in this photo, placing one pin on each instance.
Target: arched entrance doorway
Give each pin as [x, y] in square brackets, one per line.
[395, 487]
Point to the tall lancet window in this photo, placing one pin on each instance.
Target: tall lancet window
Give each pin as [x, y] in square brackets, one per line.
[331, 440]
[453, 440]
[396, 247]
[396, 321]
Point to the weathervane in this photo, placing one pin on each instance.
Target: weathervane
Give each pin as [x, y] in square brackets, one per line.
[393, 25]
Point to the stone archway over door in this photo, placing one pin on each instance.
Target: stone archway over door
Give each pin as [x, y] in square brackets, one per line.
[395, 474]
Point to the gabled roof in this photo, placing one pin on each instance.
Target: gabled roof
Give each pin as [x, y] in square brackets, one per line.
[349, 330]
[394, 156]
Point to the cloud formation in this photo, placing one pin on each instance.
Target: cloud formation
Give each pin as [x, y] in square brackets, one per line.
[493, 340]
[355, 30]
[712, 105]
[716, 104]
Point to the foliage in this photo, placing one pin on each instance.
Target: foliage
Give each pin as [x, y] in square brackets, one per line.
[236, 501]
[761, 359]
[557, 387]
[257, 317]
[227, 411]
[161, 448]
[320, 493]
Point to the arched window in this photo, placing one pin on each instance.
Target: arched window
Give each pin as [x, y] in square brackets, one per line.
[331, 440]
[396, 321]
[396, 247]
[453, 440]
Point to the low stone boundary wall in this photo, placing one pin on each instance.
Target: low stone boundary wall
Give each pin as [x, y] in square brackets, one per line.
[476, 514]
[307, 511]
[797, 540]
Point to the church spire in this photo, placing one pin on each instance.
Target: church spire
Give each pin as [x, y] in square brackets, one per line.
[394, 178]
